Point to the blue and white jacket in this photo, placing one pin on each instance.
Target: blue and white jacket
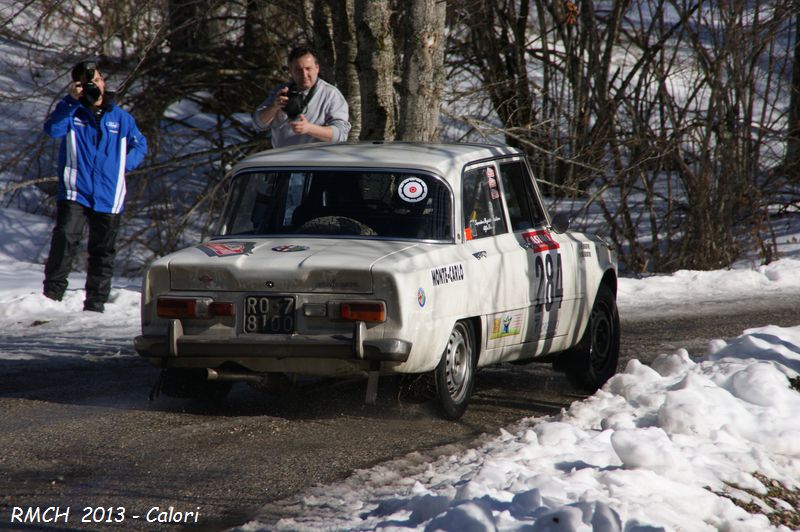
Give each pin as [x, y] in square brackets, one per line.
[94, 156]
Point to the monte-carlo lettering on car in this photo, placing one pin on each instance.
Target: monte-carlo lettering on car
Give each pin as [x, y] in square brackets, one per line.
[447, 274]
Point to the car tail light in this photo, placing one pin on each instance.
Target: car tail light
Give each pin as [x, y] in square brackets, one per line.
[173, 307]
[363, 311]
[222, 308]
[193, 307]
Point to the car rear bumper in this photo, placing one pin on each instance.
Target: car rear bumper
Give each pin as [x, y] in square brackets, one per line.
[276, 346]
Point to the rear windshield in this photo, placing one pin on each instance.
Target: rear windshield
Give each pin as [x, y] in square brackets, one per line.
[323, 202]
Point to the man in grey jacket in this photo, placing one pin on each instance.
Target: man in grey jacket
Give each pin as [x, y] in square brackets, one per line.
[305, 109]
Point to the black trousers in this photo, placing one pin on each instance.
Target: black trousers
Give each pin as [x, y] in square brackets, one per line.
[70, 220]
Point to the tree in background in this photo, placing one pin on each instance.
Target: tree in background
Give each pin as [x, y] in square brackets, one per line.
[375, 65]
[669, 118]
[793, 140]
[192, 70]
[661, 113]
[388, 53]
[423, 78]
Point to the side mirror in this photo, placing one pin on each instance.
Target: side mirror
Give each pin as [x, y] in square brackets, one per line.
[560, 222]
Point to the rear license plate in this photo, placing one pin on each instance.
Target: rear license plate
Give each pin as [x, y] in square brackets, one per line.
[269, 315]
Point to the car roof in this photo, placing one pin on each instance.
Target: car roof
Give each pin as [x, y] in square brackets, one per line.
[441, 159]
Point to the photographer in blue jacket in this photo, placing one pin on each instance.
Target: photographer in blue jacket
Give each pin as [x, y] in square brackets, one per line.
[100, 142]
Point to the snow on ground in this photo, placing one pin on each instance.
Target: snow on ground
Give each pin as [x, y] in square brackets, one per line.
[704, 292]
[34, 327]
[663, 447]
[655, 448]
[651, 449]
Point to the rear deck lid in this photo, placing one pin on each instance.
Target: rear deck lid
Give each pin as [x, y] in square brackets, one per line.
[281, 265]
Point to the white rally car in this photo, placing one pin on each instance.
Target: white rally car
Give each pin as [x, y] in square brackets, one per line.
[375, 258]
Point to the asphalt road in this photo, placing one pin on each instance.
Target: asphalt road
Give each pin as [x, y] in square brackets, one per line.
[86, 438]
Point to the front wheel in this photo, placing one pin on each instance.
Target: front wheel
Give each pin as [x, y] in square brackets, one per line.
[455, 374]
[594, 360]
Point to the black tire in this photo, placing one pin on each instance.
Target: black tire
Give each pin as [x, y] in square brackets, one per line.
[335, 225]
[455, 374]
[193, 383]
[594, 359]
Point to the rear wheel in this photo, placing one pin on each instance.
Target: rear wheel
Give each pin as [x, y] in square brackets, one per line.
[594, 360]
[455, 374]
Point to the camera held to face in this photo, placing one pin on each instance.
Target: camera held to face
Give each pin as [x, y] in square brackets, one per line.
[294, 107]
[90, 90]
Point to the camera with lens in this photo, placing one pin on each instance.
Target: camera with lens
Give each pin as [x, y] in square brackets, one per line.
[294, 107]
[90, 90]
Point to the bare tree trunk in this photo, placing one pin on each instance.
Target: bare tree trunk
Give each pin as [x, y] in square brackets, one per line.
[423, 71]
[792, 161]
[346, 49]
[375, 64]
[334, 38]
[322, 31]
[186, 24]
[255, 28]
[500, 57]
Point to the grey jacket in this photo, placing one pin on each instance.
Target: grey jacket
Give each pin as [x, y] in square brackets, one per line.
[327, 107]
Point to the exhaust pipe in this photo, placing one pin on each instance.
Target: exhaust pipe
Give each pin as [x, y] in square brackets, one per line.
[215, 375]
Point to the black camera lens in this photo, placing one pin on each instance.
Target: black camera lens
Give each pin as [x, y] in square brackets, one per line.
[84, 72]
[91, 91]
[294, 107]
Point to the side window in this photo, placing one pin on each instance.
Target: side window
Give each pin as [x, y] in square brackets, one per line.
[524, 209]
[482, 207]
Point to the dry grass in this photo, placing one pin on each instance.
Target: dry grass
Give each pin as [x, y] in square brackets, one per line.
[780, 504]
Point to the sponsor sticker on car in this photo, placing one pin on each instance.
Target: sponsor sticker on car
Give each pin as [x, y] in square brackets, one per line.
[539, 241]
[225, 249]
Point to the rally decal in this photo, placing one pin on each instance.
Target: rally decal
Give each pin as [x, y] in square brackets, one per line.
[421, 298]
[412, 190]
[225, 249]
[289, 248]
[508, 324]
[539, 240]
[487, 224]
[447, 274]
[492, 182]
